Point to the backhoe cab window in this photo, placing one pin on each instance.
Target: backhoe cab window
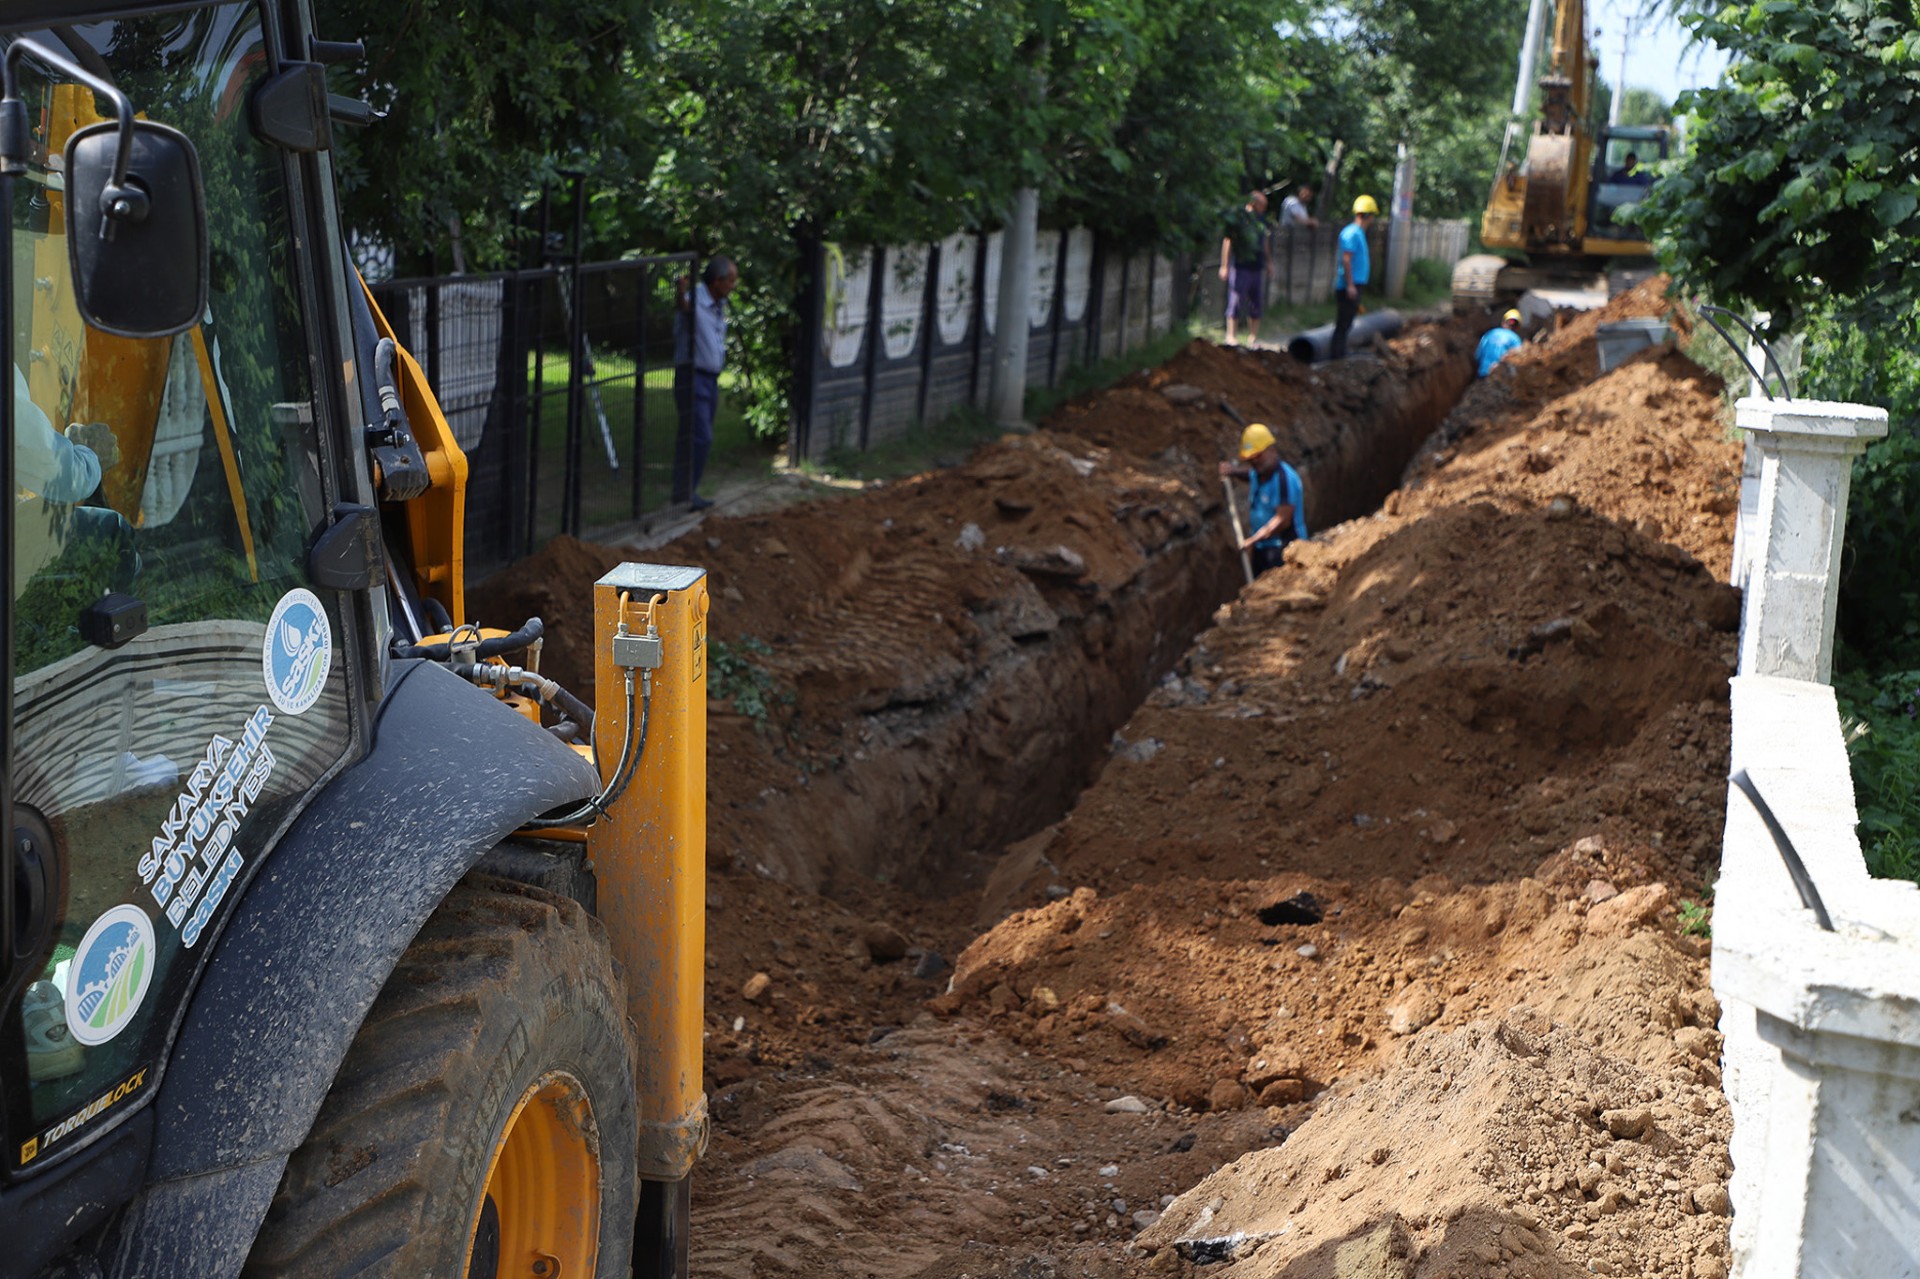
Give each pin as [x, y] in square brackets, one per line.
[1623, 174]
[182, 472]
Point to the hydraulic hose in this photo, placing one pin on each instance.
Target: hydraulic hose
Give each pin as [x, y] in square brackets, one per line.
[493, 675]
[632, 748]
[531, 631]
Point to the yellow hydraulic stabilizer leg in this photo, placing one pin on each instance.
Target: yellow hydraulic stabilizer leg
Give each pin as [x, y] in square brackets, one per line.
[649, 850]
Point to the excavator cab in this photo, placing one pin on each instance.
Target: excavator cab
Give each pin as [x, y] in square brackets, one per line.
[1625, 162]
[301, 969]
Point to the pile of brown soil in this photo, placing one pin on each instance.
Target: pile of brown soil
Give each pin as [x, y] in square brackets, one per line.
[1379, 879]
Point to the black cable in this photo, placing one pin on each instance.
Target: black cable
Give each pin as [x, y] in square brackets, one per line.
[1707, 312]
[1796, 869]
[1738, 354]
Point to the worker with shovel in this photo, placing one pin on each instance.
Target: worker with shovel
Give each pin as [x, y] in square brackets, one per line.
[1276, 504]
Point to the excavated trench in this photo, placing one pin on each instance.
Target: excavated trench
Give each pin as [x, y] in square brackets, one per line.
[949, 661]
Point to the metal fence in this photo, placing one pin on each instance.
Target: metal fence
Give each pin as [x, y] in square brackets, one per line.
[896, 336]
[1303, 261]
[558, 384]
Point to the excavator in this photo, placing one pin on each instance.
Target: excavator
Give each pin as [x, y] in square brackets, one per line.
[1562, 217]
[335, 938]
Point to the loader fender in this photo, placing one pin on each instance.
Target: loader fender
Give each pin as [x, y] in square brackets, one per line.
[451, 773]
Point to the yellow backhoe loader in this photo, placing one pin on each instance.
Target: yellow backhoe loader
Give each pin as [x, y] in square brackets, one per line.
[1562, 216]
[336, 938]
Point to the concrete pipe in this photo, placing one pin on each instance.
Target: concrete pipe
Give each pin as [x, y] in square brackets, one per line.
[1316, 345]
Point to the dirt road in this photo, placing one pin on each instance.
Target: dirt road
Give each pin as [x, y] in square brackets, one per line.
[1072, 914]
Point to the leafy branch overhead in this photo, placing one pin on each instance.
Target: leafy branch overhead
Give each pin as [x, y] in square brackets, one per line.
[1804, 185]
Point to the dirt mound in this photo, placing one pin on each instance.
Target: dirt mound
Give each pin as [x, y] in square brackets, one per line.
[1508, 1147]
[1310, 981]
[884, 662]
[1467, 693]
[1508, 677]
[1455, 759]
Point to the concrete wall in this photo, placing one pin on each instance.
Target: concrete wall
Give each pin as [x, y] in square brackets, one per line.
[1822, 1027]
[899, 336]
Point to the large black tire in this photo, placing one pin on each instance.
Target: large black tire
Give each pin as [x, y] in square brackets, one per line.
[504, 985]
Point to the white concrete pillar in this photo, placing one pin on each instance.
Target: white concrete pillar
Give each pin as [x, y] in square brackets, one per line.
[1827, 1154]
[1807, 449]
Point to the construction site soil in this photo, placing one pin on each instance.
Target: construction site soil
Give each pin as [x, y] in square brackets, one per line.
[1074, 911]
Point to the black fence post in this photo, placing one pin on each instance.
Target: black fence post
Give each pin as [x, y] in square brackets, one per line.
[1096, 299]
[979, 320]
[875, 335]
[639, 463]
[929, 330]
[430, 338]
[1059, 310]
[511, 383]
[1153, 261]
[576, 366]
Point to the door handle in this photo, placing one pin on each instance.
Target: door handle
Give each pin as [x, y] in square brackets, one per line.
[38, 891]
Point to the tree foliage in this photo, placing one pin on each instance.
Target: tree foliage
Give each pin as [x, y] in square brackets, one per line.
[761, 128]
[1644, 106]
[1804, 182]
[485, 101]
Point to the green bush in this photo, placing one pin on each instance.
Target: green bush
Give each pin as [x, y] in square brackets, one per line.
[1881, 714]
[1880, 571]
[1429, 276]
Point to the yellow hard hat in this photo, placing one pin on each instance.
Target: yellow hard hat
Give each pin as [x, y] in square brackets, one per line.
[1365, 204]
[1511, 315]
[1254, 441]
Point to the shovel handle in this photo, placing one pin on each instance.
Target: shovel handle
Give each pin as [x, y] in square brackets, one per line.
[1239, 536]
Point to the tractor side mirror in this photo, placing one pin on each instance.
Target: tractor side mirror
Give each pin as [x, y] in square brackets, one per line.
[136, 228]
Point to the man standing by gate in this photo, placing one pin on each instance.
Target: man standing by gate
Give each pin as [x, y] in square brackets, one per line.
[1352, 268]
[1244, 256]
[699, 353]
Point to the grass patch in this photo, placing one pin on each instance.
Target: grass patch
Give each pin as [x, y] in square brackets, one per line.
[740, 680]
[1696, 914]
[1082, 378]
[1880, 714]
[921, 448]
[948, 441]
[606, 494]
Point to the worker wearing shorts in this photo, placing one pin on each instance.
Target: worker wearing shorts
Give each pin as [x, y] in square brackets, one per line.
[1243, 265]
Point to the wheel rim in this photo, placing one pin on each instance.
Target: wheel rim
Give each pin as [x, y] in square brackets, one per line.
[543, 1183]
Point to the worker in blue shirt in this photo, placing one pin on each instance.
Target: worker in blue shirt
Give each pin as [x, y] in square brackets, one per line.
[1497, 344]
[1353, 267]
[1276, 504]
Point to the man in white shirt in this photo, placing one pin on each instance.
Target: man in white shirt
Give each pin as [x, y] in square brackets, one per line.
[1293, 209]
[699, 354]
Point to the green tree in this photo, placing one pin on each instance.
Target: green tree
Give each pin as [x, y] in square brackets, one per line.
[1804, 182]
[485, 101]
[1644, 107]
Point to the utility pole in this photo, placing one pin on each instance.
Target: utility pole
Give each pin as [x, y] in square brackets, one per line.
[1007, 398]
[1620, 85]
[1007, 401]
[1400, 225]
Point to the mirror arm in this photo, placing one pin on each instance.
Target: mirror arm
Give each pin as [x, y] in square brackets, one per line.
[119, 201]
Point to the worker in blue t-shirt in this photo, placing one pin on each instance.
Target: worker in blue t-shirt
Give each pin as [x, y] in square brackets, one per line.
[1352, 268]
[1497, 344]
[1276, 504]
